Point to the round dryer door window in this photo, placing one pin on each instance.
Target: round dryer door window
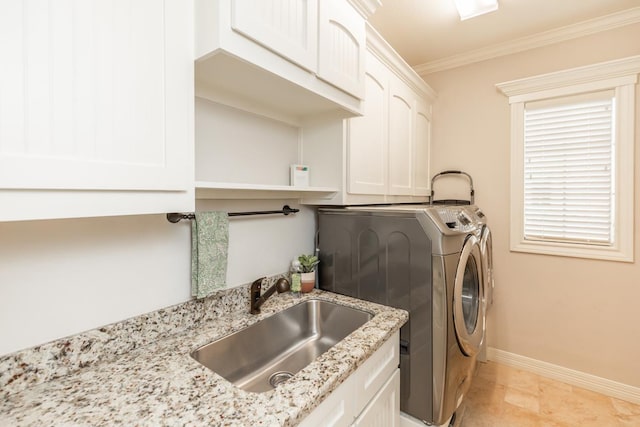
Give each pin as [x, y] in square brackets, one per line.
[468, 307]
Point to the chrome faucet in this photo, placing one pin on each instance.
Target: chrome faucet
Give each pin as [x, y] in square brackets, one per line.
[255, 300]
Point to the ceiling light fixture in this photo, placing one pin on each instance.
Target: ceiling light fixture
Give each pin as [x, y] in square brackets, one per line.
[470, 8]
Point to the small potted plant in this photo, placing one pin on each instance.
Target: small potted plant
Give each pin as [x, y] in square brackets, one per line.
[308, 265]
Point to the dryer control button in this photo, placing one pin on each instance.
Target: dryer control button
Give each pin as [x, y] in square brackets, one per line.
[464, 219]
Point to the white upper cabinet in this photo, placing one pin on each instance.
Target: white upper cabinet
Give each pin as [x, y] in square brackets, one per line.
[286, 59]
[96, 108]
[367, 135]
[342, 46]
[288, 27]
[421, 149]
[382, 156]
[401, 137]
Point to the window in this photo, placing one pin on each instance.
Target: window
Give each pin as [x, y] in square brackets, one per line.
[569, 186]
[572, 151]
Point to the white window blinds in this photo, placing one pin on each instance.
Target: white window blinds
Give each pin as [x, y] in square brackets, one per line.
[569, 169]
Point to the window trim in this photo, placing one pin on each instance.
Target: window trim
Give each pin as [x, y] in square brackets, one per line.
[618, 75]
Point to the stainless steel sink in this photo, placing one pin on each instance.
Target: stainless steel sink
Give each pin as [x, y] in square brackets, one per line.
[267, 353]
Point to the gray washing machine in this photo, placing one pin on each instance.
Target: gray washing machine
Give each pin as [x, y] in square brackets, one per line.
[426, 260]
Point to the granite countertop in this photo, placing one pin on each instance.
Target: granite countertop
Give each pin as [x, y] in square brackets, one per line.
[158, 383]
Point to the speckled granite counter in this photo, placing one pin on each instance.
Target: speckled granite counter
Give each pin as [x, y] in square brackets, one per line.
[143, 375]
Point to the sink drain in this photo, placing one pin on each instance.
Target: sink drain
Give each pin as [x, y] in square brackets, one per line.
[279, 377]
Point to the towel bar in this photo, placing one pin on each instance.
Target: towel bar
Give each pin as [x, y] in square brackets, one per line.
[286, 210]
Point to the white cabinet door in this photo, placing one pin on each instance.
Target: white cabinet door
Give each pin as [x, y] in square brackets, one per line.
[337, 410]
[368, 136]
[367, 391]
[384, 409]
[95, 95]
[401, 116]
[380, 366]
[341, 46]
[422, 143]
[287, 27]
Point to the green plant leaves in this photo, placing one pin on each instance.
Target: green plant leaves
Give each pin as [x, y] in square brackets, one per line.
[308, 262]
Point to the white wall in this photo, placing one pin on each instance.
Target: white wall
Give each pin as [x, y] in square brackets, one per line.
[61, 277]
[577, 313]
[236, 146]
[65, 276]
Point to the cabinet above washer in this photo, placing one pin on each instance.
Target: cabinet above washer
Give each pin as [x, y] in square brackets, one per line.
[290, 58]
[382, 156]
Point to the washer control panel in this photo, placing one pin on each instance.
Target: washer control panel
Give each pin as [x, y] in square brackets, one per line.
[457, 218]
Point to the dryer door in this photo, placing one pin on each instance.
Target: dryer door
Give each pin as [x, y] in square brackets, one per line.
[486, 251]
[468, 306]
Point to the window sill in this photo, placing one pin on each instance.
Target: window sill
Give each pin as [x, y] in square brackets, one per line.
[573, 250]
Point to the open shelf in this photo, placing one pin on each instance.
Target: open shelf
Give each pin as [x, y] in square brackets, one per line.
[231, 190]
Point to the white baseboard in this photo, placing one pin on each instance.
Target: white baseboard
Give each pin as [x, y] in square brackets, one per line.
[566, 375]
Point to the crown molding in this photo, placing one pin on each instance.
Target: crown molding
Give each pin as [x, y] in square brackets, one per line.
[366, 8]
[569, 32]
[387, 55]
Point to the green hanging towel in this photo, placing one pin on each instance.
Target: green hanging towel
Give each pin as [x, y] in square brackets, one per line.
[209, 245]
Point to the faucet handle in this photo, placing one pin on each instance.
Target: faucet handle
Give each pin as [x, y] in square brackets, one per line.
[257, 284]
[282, 285]
[254, 296]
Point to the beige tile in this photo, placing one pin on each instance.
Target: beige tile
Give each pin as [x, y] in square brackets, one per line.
[626, 413]
[516, 416]
[545, 422]
[478, 417]
[510, 377]
[553, 383]
[487, 397]
[522, 399]
[501, 396]
[627, 420]
[625, 408]
[553, 391]
[580, 407]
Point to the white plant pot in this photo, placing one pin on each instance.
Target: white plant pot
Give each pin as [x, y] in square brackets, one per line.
[308, 281]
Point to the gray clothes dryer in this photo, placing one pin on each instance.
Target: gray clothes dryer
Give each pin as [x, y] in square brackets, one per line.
[426, 260]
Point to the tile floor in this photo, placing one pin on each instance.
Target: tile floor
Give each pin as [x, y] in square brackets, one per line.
[501, 396]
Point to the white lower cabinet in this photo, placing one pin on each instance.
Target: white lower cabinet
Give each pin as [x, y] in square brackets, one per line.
[336, 410]
[384, 409]
[369, 397]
